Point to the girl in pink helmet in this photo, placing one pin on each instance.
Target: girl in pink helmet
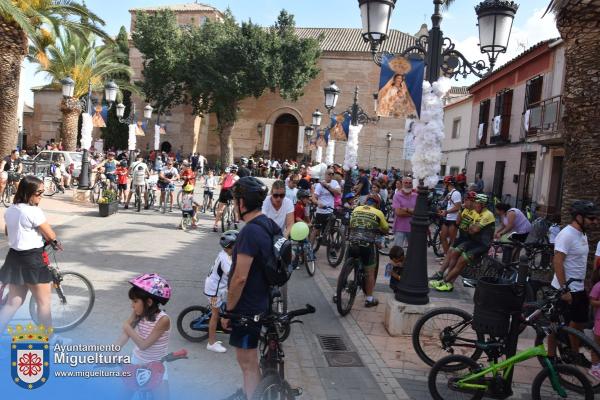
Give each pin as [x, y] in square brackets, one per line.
[148, 326]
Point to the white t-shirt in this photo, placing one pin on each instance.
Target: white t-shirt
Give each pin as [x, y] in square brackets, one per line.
[291, 194]
[454, 198]
[574, 244]
[325, 197]
[139, 176]
[169, 172]
[598, 250]
[216, 281]
[211, 182]
[22, 221]
[278, 215]
[187, 202]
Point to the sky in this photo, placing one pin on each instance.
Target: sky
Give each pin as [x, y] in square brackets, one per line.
[459, 23]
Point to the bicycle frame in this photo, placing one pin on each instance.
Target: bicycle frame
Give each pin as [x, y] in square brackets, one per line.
[506, 367]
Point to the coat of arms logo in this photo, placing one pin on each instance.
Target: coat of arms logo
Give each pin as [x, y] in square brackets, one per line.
[30, 355]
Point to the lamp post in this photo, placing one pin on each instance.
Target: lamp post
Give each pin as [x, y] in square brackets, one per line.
[110, 93]
[495, 19]
[388, 137]
[132, 119]
[308, 131]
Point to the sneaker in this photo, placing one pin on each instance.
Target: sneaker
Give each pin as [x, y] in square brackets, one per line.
[372, 303]
[439, 275]
[238, 395]
[217, 347]
[581, 360]
[435, 283]
[214, 228]
[595, 371]
[444, 287]
[126, 206]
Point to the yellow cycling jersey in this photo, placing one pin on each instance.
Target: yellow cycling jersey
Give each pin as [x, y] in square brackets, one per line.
[467, 217]
[485, 219]
[367, 217]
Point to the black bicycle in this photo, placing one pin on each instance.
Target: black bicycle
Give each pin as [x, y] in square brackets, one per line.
[273, 384]
[9, 190]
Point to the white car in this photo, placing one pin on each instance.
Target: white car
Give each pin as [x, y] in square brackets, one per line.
[72, 159]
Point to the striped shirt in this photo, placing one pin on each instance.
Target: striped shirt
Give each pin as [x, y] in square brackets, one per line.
[160, 348]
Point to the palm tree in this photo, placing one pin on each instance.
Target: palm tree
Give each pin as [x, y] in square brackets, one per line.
[579, 25]
[79, 59]
[21, 20]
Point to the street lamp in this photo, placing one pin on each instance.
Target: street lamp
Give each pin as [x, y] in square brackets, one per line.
[495, 22]
[388, 137]
[309, 131]
[110, 92]
[316, 118]
[332, 93]
[68, 87]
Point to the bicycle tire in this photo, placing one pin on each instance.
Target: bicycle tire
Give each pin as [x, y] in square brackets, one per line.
[343, 285]
[563, 346]
[271, 386]
[50, 188]
[418, 335]
[337, 244]
[464, 363]
[183, 327]
[561, 369]
[309, 265]
[56, 303]
[437, 242]
[180, 198]
[7, 196]
[138, 198]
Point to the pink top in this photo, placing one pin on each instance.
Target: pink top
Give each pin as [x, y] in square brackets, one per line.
[595, 295]
[403, 200]
[160, 348]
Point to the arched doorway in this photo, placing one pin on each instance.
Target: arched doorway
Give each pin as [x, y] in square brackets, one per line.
[166, 147]
[285, 138]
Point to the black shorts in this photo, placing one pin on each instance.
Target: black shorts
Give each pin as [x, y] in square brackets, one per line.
[225, 195]
[320, 220]
[244, 337]
[448, 223]
[208, 193]
[472, 250]
[462, 238]
[578, 310]
[366, 254]
[122, 186]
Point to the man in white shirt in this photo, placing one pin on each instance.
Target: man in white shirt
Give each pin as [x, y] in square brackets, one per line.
[201, 163]
[450, 214]
[323, 195]
[139, 172]
[291, 188]
[570, 262]
[279, 208]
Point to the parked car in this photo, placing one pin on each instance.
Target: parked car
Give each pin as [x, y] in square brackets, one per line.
[72, 159]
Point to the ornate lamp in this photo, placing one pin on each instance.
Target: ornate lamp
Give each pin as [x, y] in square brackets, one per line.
[316, 118]
[309, 131]
[375, 15]
[332, 93]
[68, 87]
[148, 111]
[110, 91]
[495, 19]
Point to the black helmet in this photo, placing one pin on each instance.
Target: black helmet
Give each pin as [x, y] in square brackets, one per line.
[252, 190]
[228, 239]
[123, 163]
[302, 193]
[584, 208]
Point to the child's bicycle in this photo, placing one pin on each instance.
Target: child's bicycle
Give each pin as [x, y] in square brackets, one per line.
[303, 253]
[187, 220]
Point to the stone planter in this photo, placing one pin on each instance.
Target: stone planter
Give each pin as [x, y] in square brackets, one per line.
[107, 209]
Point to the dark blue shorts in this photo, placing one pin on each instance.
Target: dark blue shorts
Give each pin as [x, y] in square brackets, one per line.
[245, 337]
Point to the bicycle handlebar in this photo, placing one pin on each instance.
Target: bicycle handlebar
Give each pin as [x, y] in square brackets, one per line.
[266, 318]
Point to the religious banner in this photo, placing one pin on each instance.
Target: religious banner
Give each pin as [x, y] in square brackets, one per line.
[312, 144]
[400, 87]
[100, 116]
[339, 126]
[139, 128]
[321, 140]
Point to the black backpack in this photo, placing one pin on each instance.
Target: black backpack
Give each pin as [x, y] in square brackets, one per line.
[277, 268]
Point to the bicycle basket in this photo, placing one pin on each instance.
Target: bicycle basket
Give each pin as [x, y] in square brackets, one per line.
[495, 300]
[539, 231]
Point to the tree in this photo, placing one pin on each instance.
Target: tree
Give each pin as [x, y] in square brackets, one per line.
[21, 20]
[215, 66]
[116, 134]
[579, 27]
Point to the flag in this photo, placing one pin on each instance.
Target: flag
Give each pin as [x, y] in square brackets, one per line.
[400, 87]
[100, 116]
[339, 126]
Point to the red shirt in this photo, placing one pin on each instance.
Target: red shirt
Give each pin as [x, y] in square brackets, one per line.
[188, 176]
[122, 173]
[299, 214]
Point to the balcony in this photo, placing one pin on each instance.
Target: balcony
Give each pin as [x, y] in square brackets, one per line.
[544, 122]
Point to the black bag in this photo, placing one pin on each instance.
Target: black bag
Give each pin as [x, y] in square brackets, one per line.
[277, 268]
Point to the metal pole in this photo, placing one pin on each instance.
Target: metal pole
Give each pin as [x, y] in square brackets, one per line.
[387, 158]
[413, 288]
[354, 122]
[84, 175]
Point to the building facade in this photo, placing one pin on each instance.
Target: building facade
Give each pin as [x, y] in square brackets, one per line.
[455, 146]
[514, 142]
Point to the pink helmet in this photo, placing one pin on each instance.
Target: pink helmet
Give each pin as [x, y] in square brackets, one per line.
[154, 285]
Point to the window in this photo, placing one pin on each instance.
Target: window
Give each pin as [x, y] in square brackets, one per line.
[443, 170]
[533, 91]
[454, 171]
[498, 185]
[482, 126]
[479, 168]
[502, 111]
[455, 128]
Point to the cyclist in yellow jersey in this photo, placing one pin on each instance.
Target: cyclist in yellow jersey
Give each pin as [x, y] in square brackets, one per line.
[481, 234]
[368, 223]
[465, 218]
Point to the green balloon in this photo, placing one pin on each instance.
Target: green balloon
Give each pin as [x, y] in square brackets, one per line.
[299, 231]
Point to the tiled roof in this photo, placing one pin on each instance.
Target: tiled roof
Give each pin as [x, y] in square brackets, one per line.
[461, 90]
[520, 56]
[350, 39]
[179, 7]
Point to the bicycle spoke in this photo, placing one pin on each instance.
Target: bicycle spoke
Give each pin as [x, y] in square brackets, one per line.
[448, 326]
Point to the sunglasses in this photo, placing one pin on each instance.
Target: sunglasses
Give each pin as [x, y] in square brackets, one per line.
[39, 192]
[278, 195]
[330, 173]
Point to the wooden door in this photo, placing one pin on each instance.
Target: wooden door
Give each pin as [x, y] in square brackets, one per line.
[285, 142]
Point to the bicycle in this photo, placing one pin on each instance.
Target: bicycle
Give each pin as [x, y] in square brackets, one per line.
[476, 383]
[152, 183]
[9, 191]
[303, 253]
[137, 199]
[52, 183]
[433, 234]
[207, 200]
[73, 296]
[336, 239]
[100, 185]
[228, 217]
[273, 383]
[353, 275]
[167, 190]
[187, 220]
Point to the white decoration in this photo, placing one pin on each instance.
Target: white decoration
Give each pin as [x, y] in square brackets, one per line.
[330, 153]
[132, 139]
[526, 120]
[497, 125]
[319, 154]
[429, 132]
[318, 171]
[156, 137]
[480, 132]
[351, 156]
[87, 126]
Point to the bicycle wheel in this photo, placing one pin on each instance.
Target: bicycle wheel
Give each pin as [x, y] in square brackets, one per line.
[347, 286]
[569, 378]
[441, 378]
[445, 331]
[436, 242]
[310, 265]
[192, 323]
[205, 204]
[49, 187]
[280, 304]
[79, 297]
[581, 358]
[7, 196]
[179, 198]
[336, 246]
[272, 387]
[138, 198]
